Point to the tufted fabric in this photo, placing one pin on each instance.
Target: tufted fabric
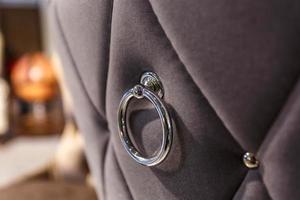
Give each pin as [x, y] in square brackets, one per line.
[230, 72]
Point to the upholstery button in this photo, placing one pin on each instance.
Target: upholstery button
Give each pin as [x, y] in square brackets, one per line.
[250, 160]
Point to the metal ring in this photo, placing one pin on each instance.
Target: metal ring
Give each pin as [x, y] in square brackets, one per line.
[140, 91]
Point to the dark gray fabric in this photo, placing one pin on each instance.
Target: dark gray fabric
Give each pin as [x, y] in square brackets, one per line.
[280, 150]
[228, 69]
[252, 188]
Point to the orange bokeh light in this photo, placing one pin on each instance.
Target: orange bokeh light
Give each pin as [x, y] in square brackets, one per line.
[33, 78]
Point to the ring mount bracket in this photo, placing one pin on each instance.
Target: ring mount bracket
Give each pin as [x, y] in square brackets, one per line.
[151, 88]
[151, 81]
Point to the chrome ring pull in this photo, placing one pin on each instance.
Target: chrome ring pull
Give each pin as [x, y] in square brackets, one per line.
[151, 88]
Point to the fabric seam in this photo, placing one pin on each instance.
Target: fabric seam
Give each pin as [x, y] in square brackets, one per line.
[75, 66]
[180, 60]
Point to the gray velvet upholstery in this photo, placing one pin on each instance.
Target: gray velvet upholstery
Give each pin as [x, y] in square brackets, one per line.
[230, 71]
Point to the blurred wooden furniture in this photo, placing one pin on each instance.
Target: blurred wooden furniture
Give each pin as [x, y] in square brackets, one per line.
[48, 190]
[23, 156]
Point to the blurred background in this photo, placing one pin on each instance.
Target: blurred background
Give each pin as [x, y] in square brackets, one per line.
[41, 151]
